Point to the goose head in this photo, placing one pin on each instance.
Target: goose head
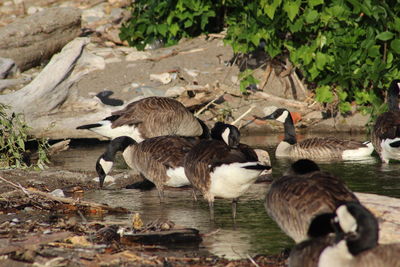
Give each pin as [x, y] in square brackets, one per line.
[394, 94]
[274, 113]
[106, 160]
[359, 225]
[227, 133]
[302, 166]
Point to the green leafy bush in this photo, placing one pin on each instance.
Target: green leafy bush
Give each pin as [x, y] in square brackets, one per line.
[13, 137]
[169, 21]
[349, 50]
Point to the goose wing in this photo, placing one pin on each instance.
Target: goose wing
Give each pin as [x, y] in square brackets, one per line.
[387, 125]
[294, 200]
[167, 150]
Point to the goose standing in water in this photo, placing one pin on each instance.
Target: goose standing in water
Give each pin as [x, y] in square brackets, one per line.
[358, 245]
[317, 148]
[222, 167]
[302, 202]
[386, 131]
[158, 159]
[150, 117]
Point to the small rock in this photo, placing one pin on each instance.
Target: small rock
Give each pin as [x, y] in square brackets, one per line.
[32, 10]
[57, 193]
[47, 232]
[164, 78]
[15, 220]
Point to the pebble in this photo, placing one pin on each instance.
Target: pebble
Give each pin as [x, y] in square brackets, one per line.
[15, 220]
[57, 193]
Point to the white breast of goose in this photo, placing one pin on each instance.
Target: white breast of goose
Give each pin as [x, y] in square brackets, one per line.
[389, 152]
[359, 153]
[177, 177]
[232, 180]
[337, 255]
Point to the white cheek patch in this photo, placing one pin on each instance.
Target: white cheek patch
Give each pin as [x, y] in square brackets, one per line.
[282, 118]
[225, 135]
[346, 220]
[106, 165]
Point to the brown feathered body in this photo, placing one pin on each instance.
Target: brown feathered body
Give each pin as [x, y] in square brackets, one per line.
[387, 130]
[293, 201]
[160, 159]
[150, 117]
[318, 148]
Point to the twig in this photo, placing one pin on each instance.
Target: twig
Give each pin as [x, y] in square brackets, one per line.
[252, 260]
[244, 114]
[66, 200]
[206, 106]
[266, 76]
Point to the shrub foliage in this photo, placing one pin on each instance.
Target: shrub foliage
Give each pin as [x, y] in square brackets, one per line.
[348, 49]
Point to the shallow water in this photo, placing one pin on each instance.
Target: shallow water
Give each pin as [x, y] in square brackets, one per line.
[255, 232]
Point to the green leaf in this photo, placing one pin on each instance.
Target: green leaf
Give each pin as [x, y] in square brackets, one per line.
[313, 3]
[373, 51]
[395, 45]
[162, 29]
[312, 16]
[321, 60]
[174, 28]
[292, 8]
[323, 94]
[384, 36]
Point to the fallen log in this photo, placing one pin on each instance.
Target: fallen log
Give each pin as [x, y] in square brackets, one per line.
[30, 41]
[387, 211]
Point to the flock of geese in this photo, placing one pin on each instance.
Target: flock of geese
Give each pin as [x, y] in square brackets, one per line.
[169, 146]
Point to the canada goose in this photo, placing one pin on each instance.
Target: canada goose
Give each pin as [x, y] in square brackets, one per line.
[386, 131]
[150, 117]
[158, 159]
[318, 148]
[222, 167]
[301, 201]
[358, 246]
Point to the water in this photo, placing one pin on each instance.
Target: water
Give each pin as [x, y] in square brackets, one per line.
[255, 232]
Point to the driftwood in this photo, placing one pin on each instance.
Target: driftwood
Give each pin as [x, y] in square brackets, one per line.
[301, 106]
[50, 107]
[31, 40]
[387, 210]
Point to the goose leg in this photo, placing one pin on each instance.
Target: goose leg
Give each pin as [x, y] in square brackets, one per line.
[211, 206]
[161, 194]
[194, 194]
[234, 206]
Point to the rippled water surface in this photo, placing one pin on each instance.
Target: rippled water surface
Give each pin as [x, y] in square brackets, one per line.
[255, 232]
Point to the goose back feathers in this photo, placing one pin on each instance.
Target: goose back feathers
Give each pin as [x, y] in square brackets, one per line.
[318, 148]
[386, 131]
[299, 198]
[150, 117]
